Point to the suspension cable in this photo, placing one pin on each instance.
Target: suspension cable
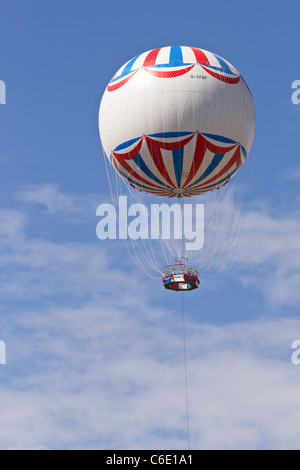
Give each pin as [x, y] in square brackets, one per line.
[185, 374]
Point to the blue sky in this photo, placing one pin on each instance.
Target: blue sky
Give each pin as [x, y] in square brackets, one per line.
[94, 347]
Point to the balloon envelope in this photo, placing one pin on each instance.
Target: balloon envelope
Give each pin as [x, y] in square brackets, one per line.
[177, 121]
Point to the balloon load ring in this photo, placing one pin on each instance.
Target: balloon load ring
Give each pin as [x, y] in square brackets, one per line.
[180, 277]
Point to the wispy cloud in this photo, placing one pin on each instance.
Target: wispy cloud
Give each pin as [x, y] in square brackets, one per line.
[291, 173]
[93, 362]
[48, 197]
[100, 376]
[269, 253]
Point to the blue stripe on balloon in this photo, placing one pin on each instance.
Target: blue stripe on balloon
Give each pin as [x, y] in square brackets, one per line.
[160, 135]
[172, 135]
[142, 165]
[211, 167]
[136, 183]
[178, 164]
[244, 152]
[219, 138]
[224, 66]
[164, 66]
[127, 69]
[168, 135]
[126, 144]
[176, 58]
[217, 183]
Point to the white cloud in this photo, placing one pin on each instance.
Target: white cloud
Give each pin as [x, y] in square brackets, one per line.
[77, 208]
[269, 254]
[101, 376]
[291, 174]
[12, 223]
[92, 362]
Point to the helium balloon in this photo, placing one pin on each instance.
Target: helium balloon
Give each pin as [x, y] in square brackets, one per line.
[177, 121]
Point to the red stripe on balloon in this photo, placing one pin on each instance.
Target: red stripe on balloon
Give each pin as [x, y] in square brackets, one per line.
[235, 159]
[133, 174]
[155, 147]
[200, 56]
[151, 57]
[122, 159]
[169, 74]
[201, 147]
[223, 78]
[121, 83]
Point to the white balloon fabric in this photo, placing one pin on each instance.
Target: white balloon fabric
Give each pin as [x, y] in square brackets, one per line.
[177, 121]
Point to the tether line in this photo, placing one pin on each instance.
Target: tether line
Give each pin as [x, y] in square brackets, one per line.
[185, 375]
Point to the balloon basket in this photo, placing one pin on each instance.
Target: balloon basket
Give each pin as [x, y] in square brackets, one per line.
[180, 277]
